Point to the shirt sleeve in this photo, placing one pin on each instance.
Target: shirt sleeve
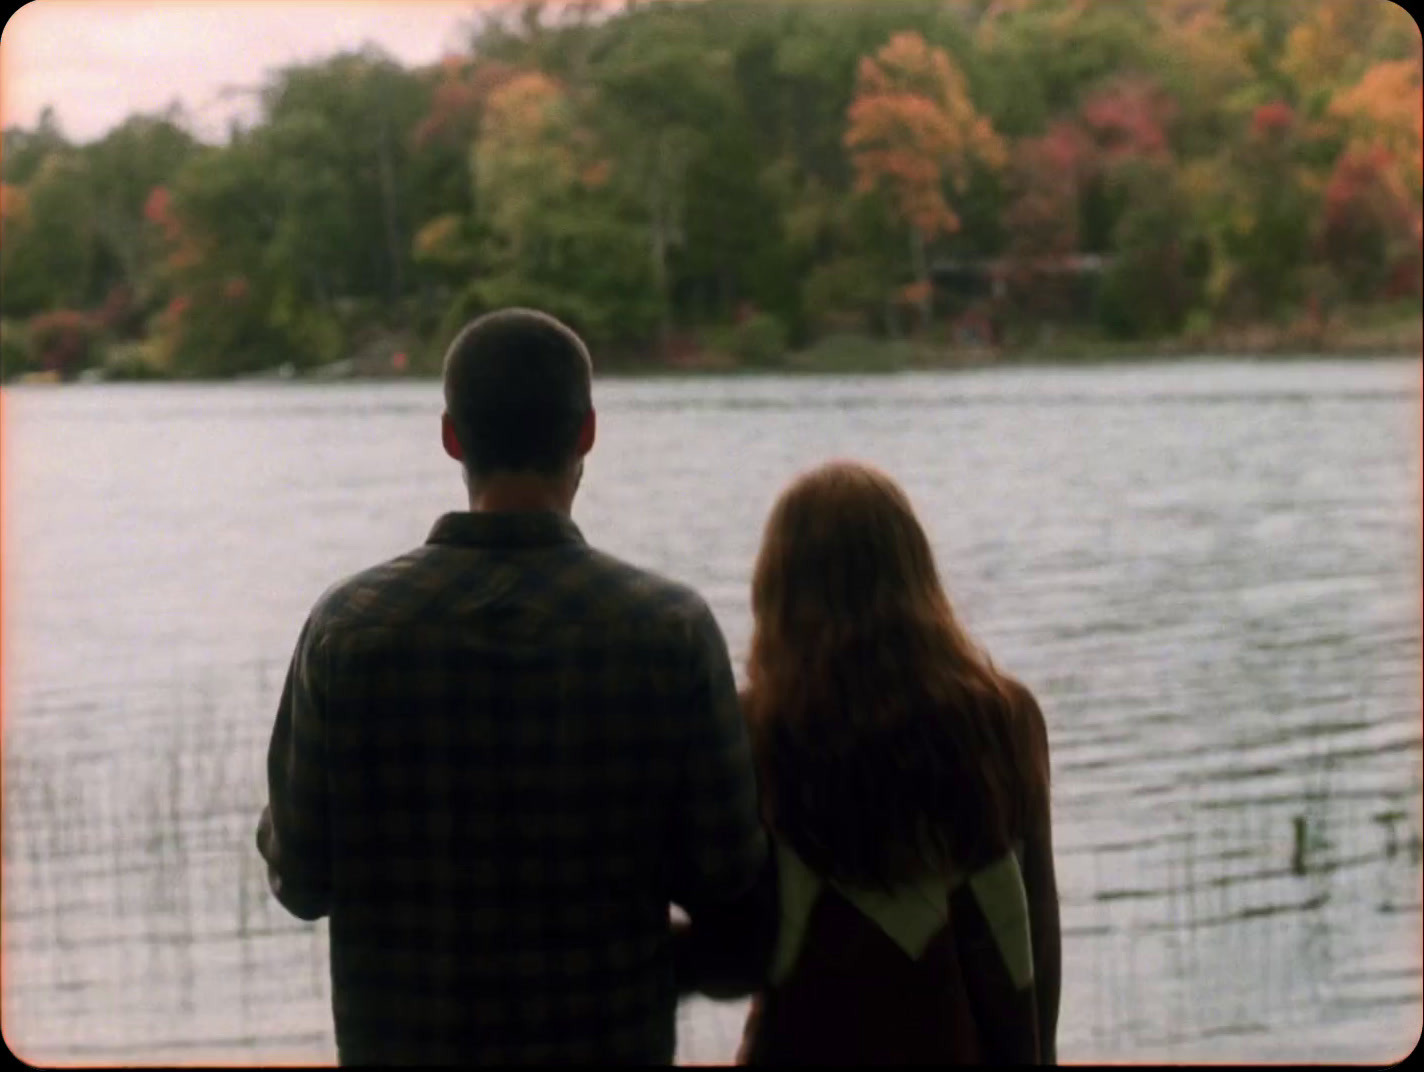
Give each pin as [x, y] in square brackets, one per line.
[293, 834]
[719, 845]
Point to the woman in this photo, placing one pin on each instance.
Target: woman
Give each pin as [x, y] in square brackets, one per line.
[905, 781]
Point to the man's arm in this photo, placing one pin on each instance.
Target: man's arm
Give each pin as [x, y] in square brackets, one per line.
[293, 834]
[723, 872]
[726, 952]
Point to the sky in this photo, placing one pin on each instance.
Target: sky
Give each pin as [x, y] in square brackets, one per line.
[99, 61]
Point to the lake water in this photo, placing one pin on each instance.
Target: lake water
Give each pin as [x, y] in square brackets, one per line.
[1209, 573]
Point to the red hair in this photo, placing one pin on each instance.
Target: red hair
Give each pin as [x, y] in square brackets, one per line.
[887, 743]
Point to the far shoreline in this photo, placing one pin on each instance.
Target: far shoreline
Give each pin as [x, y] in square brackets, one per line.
[867, 357]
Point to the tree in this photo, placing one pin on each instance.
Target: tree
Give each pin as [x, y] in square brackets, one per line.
[27, 150]
[125, 166]
[342, 132]
[1160, 261]
[50, 255]
[654, 93]
[1046, 177]
[912, 131]
[1370, 229]
[1337, 41]
[218, 224]
[1385, 111]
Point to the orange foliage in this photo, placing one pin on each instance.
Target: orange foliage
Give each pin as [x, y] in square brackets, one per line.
[912, 128]
[13, 202]
[438, 240]
[1319, 51]
[914, 294]
[522, 102]
[1386, 108]
[596, 174]
[459, 99]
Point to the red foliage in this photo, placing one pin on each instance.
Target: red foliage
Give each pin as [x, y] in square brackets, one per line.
[1047, 175]
[1356, 172]
[1372, 226]
[1129, 117]
[158, 210]
[118, 307]
[63, 340]
[155, 209]
[1064, 149]
[1273, 118]
[458, 101]
[235, 289]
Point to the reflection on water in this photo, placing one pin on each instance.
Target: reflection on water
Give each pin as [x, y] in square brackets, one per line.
[1209, 573]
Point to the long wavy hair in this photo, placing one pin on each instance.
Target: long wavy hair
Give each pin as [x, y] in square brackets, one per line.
[887, 744]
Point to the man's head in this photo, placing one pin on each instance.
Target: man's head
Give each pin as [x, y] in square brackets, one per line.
[518, 400]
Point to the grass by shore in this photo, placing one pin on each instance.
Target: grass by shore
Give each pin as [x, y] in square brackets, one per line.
[853, 355]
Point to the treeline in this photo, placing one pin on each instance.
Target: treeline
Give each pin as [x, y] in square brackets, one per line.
[740, 177]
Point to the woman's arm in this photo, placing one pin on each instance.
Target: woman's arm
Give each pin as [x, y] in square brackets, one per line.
[1041, 887]
[1042, 892]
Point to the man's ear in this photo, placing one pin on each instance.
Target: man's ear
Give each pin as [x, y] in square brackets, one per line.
[587, 433]
[449, 440]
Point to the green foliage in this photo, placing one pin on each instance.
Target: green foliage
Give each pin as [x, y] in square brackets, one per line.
[133, 361]
[847, 352]
[1158, 274]
[758, 341]
[15, 359]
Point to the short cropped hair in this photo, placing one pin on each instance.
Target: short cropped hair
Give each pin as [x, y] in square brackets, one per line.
[518, 387]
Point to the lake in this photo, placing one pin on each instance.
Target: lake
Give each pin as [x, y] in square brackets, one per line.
[1209, 572]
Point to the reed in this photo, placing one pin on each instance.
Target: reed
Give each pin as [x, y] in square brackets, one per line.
[138, 915]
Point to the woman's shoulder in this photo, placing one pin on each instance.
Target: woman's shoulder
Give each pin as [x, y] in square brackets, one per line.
[1019, 694]
[1023, 706]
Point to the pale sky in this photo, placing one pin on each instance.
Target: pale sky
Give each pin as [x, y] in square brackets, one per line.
[98, 61]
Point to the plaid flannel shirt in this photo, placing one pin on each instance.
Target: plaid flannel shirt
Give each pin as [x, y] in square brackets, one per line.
[496, 761]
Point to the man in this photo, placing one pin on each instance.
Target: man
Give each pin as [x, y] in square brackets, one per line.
[498, 759]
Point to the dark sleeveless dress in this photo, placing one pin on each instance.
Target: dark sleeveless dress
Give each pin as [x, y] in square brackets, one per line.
[940, 972]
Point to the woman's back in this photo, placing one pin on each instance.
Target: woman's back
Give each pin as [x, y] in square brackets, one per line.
[893, 756]
[938, 971]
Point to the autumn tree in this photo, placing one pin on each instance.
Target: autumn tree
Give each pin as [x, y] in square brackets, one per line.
[913, 134]
[1384, 114]
[1333, 45]
[1369, 232]
[1046, 178]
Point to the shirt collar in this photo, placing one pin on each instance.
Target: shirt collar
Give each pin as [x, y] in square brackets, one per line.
[485, 529]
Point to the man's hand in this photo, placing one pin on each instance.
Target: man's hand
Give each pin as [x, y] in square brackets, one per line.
[725, 951]
[267, 848]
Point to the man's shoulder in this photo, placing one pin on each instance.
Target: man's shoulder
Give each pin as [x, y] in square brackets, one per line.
[583, 581]
[365, 596]
[644, 592]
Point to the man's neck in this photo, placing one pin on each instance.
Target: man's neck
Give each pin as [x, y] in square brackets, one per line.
[520, 496]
